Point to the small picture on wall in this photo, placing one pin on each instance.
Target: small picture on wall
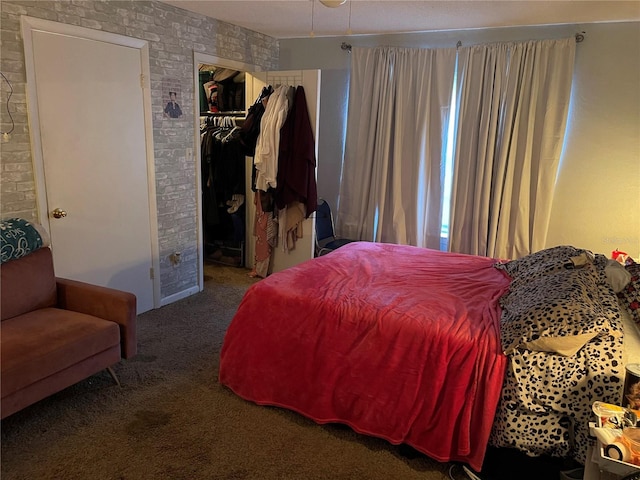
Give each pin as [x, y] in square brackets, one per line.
[172, 95]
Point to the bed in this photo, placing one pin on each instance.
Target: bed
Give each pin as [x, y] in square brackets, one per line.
[408, 344]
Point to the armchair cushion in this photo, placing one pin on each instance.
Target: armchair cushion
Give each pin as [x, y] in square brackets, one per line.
[41, 343]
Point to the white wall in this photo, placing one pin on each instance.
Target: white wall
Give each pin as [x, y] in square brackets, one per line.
[600, 168]
[597, 200]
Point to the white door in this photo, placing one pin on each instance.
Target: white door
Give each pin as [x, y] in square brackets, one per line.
[305, 246]
[90, 111]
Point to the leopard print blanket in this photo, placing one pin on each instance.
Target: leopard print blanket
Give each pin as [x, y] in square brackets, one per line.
[561, 294]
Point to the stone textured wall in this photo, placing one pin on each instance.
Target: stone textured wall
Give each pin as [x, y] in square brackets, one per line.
[173, 35]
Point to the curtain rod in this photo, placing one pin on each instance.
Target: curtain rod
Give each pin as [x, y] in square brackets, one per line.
[578, 36]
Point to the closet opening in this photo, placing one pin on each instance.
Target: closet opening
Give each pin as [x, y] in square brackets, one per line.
[224, 196]
[221, 108]
[231, 242]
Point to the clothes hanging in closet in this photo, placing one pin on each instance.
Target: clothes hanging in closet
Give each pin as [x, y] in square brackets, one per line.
[265, 231]
[295, 192]
[250, 130]
[223, 185]
[296, 177]
[284, 167]
[268, 144]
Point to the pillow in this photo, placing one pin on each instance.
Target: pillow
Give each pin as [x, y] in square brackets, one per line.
[630, 295]
[543, 262]
[617, 275]
[19, 237]
[566, 345]
[565, 303]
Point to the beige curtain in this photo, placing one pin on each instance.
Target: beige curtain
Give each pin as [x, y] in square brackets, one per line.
[513, 100]
[391, 188]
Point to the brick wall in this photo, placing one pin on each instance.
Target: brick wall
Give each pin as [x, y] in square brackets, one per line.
[173, 35]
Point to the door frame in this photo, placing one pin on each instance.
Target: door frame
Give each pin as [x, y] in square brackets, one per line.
[202, 58]
[30, 24]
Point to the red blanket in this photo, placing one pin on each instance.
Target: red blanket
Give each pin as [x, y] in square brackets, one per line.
[397, 342]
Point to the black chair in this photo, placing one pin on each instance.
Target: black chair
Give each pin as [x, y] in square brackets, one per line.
[326, 240]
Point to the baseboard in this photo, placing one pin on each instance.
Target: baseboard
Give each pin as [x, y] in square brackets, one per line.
[179, 296]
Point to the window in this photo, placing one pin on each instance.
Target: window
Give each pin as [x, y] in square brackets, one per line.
[447, 167]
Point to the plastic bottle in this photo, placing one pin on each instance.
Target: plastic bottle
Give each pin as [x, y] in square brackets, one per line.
[616, 415]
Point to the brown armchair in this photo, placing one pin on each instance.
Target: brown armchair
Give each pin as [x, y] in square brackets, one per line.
[56, 332]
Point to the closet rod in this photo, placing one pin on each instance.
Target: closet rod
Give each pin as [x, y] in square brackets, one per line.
[238, 113]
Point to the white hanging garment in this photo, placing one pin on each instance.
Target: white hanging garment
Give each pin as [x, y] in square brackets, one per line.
[268, 143]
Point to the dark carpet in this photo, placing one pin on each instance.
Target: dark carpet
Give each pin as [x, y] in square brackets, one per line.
[171, 419]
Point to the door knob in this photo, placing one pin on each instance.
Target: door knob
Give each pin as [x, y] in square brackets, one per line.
[58, 213]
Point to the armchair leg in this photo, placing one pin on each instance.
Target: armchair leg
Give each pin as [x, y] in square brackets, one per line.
[114, 376]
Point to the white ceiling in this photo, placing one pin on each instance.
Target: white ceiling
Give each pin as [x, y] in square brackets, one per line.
[292, 18]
